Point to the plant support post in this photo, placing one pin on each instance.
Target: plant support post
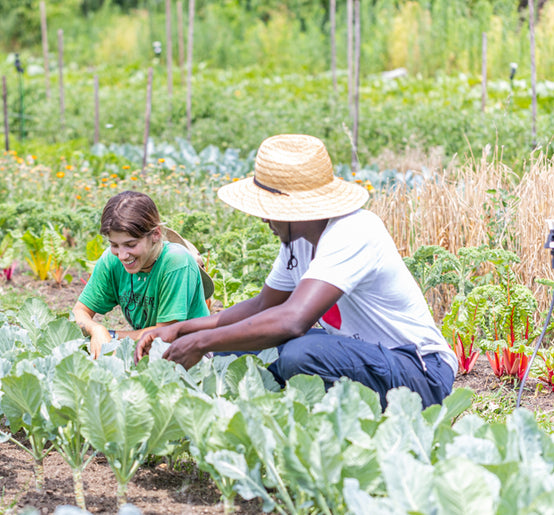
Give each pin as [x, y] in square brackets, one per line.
[356, 98]
[147, 120]
[349, 51]
[181, 40]
[44, 33]
[96, 111]
[6, 123]
[189, 67]
[333, 23]
[484, 73]
[169, 55]
[533, 73]
[60, 74]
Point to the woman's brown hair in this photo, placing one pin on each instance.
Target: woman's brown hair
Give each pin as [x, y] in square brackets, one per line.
[131, 212]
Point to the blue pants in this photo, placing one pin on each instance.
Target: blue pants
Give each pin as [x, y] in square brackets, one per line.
[374, 365]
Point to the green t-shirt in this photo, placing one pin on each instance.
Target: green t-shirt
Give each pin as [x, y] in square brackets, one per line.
[172, 290]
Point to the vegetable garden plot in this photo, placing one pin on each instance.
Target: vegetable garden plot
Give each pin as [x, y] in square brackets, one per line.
[299, 450]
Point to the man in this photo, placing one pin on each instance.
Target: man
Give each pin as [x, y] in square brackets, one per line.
[337, 266]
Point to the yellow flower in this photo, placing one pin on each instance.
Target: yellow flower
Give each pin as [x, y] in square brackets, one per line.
[87, 188]
[60, 175]
[114, 176]
[126, 167]
[68, 167]
[78, 197]
[235, 179]
[353, 174]
[161, 160]
[34, 157]
[133, 178]
[113, 185]
[104, 179]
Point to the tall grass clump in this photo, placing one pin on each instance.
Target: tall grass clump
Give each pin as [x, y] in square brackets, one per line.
[482, 202]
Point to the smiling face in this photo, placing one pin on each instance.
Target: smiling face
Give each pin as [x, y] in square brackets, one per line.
[135, 254]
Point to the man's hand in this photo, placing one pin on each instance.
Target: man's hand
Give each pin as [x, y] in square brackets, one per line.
[185, 350]
[166, 333]
[99, 336]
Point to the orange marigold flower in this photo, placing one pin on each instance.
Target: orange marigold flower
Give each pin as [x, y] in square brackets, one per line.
[68, 167]
[87, 188]
[235, 179]
[133, 178]
[78, 197]
[104, 179]
[161, 160]
[126, 167]
[60, 175]
[113, 185]
[114, 176]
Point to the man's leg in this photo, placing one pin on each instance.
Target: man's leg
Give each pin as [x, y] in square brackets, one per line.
[332, 357]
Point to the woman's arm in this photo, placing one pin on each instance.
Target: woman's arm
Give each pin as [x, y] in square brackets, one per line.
[97, 332]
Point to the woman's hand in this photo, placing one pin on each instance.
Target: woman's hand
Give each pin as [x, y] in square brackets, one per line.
[167, 333]
[99, 335]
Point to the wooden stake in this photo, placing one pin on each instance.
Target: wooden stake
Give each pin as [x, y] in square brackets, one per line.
[169, 53]
[96, 111]
[349, 49]
[484, 73]
[60, 72]
[6, 123]
[44, 33]
[356, 99]
[147, 120]
[332, 21]
[533, 73]
[181, 38]
[189, 67]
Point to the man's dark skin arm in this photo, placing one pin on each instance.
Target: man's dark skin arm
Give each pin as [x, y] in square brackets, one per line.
[269, 319]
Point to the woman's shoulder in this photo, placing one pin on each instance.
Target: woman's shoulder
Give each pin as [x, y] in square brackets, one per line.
[176, 256]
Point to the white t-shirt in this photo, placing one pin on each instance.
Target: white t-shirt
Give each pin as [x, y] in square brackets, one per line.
[382, 303]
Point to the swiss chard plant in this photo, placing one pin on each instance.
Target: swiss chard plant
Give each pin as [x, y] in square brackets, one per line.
[505, 319]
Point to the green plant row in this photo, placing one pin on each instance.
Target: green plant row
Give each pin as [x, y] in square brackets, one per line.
[299, 450]
[237, 109]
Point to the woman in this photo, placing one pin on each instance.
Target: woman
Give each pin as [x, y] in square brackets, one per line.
[155, 282]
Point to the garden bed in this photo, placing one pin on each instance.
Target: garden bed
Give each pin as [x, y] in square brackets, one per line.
[158, 488]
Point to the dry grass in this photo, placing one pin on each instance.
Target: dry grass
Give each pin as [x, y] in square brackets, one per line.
[457, 209]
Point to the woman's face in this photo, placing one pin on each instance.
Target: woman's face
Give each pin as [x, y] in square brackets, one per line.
[135, 254]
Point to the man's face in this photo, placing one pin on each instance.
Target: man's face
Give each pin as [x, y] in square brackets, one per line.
[283, 230]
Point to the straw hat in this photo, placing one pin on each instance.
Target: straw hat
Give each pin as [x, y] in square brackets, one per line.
[174, 237]
[293, 181]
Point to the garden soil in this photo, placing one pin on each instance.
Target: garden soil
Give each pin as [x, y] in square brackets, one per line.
[158, 489]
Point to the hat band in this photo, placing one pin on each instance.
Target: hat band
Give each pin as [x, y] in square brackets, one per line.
[268, 188]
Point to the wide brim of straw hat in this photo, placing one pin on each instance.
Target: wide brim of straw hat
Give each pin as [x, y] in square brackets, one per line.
[207, 282]
[336, 199]
[293, 181]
